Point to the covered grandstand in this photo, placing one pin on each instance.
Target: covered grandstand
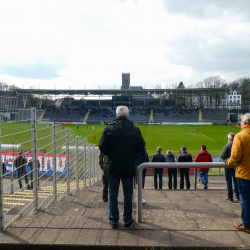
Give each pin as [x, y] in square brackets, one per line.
[146, 105]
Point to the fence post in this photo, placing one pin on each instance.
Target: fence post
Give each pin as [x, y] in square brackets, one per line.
[67, 160]
[34, 157]
[77, 165]
[1, 187]
[85, 161]
[195, 178]
[54, 162]
[12, 171]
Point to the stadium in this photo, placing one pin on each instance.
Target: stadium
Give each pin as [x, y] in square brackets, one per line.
[59, 130]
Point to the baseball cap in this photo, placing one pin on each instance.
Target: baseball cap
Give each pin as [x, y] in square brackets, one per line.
[184, 148]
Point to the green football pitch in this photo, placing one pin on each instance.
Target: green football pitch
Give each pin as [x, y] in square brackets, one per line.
[169, 137]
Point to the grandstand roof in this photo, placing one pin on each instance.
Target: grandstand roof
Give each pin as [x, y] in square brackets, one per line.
[117, 91]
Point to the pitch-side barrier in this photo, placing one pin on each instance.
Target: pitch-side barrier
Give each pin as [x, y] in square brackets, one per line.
[195, 165]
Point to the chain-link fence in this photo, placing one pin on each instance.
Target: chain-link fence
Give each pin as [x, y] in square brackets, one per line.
[41, 163]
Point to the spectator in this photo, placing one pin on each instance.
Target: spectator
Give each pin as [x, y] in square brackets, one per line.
[203, 156]
[240, 156]
[184, 172]
[230, 172]
[103, 161]
[172, 172]
[139, 159]
[158, 157]
[120, 141]
[20, 164]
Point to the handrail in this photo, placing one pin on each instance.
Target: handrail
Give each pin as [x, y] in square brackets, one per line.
[168, 165]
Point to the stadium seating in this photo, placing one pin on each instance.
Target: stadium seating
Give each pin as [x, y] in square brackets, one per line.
[138, 115]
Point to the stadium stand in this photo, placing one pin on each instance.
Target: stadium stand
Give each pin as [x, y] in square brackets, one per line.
[137, 114]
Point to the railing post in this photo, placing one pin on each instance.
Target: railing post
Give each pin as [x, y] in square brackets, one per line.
[54, 162]
[85, 160]
[195, 178]
[67, 160]
[1, 187]
[12, 171]
[77, 165]
[34, 157]
[139, 193]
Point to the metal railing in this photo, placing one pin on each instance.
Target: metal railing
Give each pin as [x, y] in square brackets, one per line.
[169, 165]
[50, 173]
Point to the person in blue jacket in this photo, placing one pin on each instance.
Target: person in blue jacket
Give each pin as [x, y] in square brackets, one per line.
[171, 171]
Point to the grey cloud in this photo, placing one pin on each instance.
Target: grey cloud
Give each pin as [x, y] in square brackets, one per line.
[34, 70]
[225, 56]
[204, 9]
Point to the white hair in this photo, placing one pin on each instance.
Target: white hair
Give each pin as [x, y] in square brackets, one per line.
[122, 111]
[246, 118]
[168, 151]
[231, 136]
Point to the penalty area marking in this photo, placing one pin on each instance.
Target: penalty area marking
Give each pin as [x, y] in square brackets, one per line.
[204, 135]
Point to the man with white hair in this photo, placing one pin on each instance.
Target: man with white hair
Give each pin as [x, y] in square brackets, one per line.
[240, 156]
[230, 172]
[120, 141]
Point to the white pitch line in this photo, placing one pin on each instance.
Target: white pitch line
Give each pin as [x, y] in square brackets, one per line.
[204, 135]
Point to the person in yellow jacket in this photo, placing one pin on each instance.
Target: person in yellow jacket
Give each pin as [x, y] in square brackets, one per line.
[240, 158]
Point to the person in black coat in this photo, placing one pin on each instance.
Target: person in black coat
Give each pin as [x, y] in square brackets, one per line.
[230, 172]
[20, 164]
[171, 171]
[184, 172]
[158, 157]
[120, 141]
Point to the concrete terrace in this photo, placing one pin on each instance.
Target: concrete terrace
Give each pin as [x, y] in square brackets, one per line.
[172, 219]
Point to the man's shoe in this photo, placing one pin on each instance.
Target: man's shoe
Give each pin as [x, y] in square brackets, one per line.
[240, 227]
[227, 198]
[105, 200]
[205, 185]
[113, 225]
[29, 187]
[237, 199]
[143, 201]
[129, 223]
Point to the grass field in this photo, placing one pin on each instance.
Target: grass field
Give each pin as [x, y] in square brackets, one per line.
[171, 137]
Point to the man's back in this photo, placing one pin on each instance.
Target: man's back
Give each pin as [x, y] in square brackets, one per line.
[185, 157]
[158, 157]
[120, 141]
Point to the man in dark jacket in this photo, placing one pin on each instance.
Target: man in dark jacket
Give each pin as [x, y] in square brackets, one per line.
[120, 141]
[171, 171]
[20, 164]
[230, 172]
[203, 156]
[184, 157]
[158, 157]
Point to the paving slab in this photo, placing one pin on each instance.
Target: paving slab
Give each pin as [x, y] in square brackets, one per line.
[172, 219]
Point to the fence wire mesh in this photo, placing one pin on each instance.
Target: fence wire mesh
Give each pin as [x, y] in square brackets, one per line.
[40, 163]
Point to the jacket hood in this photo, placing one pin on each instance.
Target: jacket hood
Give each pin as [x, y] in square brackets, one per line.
[246, 130]
[120, 126]
[204, 151]
[230, 142]
[170, 154]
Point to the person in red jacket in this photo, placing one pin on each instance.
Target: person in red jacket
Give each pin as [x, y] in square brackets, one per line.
[203, 156]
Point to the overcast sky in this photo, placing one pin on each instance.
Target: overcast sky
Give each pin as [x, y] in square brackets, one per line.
[90, 43]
